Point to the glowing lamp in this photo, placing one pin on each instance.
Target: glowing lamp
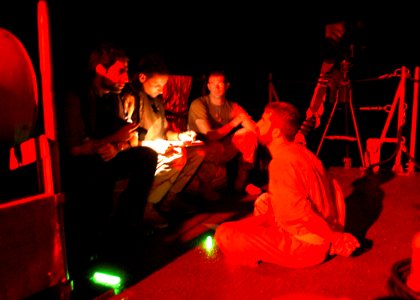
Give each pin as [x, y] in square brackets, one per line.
[105, 279]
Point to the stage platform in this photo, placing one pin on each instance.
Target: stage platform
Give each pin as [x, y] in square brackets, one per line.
[178, 266]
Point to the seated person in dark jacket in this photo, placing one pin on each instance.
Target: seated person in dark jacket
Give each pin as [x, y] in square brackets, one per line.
[97, 153]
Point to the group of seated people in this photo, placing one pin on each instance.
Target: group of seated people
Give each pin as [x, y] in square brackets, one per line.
[115, 129]
[225, 130]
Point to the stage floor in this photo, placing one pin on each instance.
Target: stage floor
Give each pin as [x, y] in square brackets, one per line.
[178, 266]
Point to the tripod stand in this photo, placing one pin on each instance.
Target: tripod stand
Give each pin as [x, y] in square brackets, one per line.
[344, 96]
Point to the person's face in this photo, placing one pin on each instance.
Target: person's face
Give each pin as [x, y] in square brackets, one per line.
[217, 85]
[116, 76]
[153, 86]
[265, 131]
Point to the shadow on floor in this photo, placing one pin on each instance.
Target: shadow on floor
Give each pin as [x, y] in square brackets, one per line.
[159, 247]
[364, 206]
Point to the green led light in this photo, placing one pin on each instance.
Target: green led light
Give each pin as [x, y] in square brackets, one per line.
[106, 279]
[208, 243]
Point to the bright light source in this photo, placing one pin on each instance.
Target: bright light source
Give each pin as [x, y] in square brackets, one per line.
[208, 243]
[109, 280]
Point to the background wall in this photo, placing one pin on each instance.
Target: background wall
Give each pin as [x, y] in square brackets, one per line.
[251, 41]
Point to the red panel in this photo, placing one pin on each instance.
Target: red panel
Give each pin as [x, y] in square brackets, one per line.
[175, 94]
[31, 255]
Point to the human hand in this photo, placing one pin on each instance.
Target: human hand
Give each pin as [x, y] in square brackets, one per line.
[343, 244]
[239, 119]
[107, 151]
[187, 136]
[253, 190]
[129, 105]
[261, 204]
[134, 140]
[86, 148]
[125, 133]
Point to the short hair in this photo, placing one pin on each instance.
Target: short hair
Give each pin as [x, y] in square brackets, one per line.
[152, 64]
[106, 54]
[286, 117]
[218, 72]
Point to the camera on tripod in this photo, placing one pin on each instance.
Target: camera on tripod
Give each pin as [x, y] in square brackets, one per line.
[334, 77]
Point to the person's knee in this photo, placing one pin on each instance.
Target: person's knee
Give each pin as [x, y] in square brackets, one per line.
[196, 154]
[218, 235]
[251, 140]
[245, 139]
[200, 152]
[180, 161]
[150, 154]
[221, 235]
[214, 148]
[145, 158]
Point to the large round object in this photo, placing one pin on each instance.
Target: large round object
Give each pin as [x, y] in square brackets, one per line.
[18, 91]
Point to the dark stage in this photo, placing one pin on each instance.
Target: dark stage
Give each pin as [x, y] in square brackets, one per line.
[281, 53]
[176, 264]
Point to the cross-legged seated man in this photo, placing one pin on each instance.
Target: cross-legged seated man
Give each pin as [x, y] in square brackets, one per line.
[228, 132]
[299, 222]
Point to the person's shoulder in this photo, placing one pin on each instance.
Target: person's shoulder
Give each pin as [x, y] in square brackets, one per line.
[233, 103]
[79, 89]
[291, 152]
[201, 98]
[71, 96]
[235, 106]
[199, 101]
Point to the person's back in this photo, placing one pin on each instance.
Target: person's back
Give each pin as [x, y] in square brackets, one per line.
[294, 163]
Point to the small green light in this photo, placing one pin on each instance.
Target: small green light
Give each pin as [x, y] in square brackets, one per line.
[208, 244]
[106, 279]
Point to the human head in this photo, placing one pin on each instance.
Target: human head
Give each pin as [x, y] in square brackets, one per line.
[217, 83]
[153, 74]
[280, 119]
[110, 64]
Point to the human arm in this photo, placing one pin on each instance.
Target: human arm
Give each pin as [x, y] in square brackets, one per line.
[187, 136]
[216, 134]
[109, 146]
[124, 134]
[129, 102]
[79, 143]
[184, 136]
[246, 120]
[90, 130]
[295, 212]
[199, 119]
[343, 244]
[107, 151]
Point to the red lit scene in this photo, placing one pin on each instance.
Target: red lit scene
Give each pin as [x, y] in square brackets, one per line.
[172, 153]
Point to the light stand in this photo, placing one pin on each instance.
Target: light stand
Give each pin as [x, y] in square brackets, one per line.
[344, 96]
